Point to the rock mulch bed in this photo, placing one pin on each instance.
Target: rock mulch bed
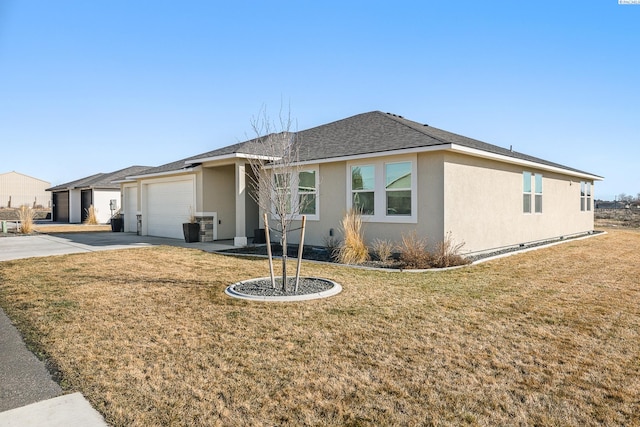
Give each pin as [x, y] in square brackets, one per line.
[263, 287]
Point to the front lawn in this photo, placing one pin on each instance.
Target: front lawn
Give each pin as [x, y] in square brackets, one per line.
[549, 337]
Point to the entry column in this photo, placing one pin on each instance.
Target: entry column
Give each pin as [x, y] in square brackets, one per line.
[241, 190]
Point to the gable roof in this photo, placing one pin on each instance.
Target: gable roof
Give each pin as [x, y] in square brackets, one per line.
[102, 181]
[368, 134]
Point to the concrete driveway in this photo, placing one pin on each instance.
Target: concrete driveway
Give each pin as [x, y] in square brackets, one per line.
[17, 247]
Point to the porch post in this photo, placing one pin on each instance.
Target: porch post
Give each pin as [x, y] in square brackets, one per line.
[241, 186]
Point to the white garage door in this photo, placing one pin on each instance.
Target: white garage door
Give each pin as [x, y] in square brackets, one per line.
[130, 209]
[168, 206]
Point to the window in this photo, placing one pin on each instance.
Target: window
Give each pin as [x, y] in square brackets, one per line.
[300, 191]
[398, 188]
[307, 194]
[526, 192]
[363, 188]
[384, 188]
[538, 189]
[531, 194]
[282, 183]
[585, 196]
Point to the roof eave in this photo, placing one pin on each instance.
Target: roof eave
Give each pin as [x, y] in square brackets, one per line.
[230, 157]
[528, 163]
[161, 174]
[457, 148]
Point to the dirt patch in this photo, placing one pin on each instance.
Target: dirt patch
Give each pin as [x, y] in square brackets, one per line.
[617, 218]
[13, 214]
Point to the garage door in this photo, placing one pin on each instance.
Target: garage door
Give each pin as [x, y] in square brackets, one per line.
[61, 206]
[168, 206]
[130, 209]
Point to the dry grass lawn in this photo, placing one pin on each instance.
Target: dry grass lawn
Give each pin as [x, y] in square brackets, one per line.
[549, 337]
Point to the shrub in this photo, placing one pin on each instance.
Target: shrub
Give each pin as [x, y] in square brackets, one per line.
[382, 249]
[353, 250]
[26, 215]
[413, 251]
[447, 253]
[92, 217]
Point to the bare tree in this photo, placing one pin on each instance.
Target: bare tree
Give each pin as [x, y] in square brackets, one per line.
[275, 179]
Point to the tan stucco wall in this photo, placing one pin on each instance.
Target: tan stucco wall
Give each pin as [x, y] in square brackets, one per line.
[483, 204]
[219, 196]
[333, 204]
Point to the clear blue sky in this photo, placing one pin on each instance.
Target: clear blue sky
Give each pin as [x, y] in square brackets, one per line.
[95, 86]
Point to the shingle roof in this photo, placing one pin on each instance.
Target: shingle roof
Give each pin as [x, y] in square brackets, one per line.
[367, 133]
[377, 132]
[100, 180]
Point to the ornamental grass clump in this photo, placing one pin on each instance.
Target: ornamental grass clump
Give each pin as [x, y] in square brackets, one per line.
[353, 249]
[447, 253]
[92, 216]
[413, 251]
[383, 249]
[26, 216]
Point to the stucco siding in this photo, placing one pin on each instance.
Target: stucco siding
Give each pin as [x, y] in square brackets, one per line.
[102, 203]
[483, 205]
[219, 196]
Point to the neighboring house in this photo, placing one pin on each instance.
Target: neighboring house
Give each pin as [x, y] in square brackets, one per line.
[71, 201]
[404, 176]
[17, 190]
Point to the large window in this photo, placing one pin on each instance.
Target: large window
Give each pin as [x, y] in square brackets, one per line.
[585, 196]
[531, 192]
[384, 191]
[398, 188]
[363, 188]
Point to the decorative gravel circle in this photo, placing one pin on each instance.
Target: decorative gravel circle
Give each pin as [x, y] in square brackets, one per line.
[261, 290]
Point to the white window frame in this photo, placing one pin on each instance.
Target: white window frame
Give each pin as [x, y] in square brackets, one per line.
[526, 192]
[586, 192]
[294, 194]
[535, 208]
[380, 190]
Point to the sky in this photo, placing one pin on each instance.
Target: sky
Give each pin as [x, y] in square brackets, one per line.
[97, 86]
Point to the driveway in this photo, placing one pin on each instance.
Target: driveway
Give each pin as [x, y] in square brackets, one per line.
[17, 247]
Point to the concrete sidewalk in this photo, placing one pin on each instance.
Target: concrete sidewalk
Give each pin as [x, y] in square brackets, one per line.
[28, 394]
[39, 245]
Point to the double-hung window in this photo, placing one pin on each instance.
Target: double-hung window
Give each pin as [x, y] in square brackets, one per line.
[363, 188]
[398, 188]
[307, 192]
[585, 196]
[526, 192]
[538, 192]
[531, 192]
